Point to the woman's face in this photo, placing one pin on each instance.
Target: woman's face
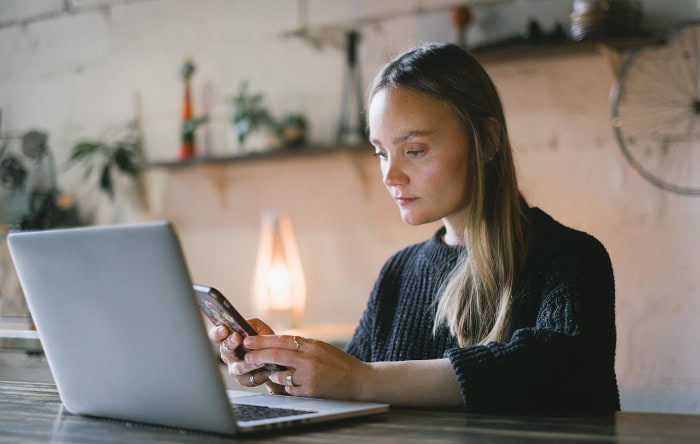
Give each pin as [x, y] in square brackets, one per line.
[422, 151]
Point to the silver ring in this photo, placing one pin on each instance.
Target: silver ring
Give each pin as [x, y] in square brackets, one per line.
[252, 379]
[223, 344]
[298, 340]
[289, 380]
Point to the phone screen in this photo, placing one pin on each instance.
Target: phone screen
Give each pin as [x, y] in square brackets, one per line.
[219, 311]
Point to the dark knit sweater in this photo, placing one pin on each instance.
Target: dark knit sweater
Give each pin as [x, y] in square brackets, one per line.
[560, 356]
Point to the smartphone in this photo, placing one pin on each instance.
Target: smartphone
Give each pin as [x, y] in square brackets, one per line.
[219, 311]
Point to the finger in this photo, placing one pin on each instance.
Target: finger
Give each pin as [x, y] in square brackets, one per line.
[241, 368]
[296, 343]
[260, 327]
[290, 382]
[279, 356]
[283, 377]
[257, 377]
[275, 389]
[217, 333]
[228, 348]
[250, 379]
[234, 340]
[242, 380]
[227, 354]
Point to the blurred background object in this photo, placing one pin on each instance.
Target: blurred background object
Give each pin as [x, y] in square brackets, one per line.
[461, 18]
[600, 19]
[30, 198]
[189, 122]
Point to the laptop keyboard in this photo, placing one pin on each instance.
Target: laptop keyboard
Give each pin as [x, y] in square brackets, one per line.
[247, 412]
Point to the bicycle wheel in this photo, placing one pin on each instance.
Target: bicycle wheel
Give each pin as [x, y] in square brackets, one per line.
[656, 110]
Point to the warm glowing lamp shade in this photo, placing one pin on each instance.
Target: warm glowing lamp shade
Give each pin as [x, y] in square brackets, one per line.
[279, 288]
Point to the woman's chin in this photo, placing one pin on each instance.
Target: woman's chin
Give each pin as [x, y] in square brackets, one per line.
[412, 219]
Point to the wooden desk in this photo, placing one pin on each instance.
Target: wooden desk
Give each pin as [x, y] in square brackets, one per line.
[32, 413]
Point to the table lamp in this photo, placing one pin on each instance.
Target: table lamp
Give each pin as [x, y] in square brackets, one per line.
[279, 288]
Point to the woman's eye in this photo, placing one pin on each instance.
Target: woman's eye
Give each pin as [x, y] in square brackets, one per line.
[415, 153]
[380, 154]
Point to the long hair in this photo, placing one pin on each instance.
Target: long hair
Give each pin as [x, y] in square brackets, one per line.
[476, 299]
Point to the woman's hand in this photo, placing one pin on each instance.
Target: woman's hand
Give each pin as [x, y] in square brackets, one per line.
[315, 368]
[245, 373]
[319, 370]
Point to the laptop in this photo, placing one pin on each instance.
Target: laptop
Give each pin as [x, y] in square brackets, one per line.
[119, 324]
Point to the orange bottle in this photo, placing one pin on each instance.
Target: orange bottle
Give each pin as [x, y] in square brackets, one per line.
[187, 148]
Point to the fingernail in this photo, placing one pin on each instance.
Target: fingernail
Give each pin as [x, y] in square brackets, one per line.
[221, 330]
[248, 341]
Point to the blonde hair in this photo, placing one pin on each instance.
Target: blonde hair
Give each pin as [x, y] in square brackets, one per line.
[476, 299]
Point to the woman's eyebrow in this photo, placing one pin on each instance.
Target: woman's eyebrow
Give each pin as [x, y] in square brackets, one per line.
[404, 137]
[411, 135]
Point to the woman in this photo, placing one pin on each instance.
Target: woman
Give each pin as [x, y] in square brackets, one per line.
[502, 310]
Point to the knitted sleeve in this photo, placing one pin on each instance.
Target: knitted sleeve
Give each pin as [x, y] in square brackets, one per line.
[565, 362]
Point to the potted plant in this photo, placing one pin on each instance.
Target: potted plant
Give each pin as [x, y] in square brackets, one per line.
[292, 130]
[119, 154]
[251, 117]
[115, 162]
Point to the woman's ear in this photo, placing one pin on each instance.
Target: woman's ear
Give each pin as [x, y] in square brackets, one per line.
[493, 128]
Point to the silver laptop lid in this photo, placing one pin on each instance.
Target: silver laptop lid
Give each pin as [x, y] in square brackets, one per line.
[115, 313]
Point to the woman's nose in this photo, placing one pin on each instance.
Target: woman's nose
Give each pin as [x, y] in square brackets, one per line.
[393, 174]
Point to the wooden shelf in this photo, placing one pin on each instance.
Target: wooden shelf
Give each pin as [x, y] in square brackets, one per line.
[270, 155]
[529, 50]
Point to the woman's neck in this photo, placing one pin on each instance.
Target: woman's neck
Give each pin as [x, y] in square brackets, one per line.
[454, 231]
[450, 237]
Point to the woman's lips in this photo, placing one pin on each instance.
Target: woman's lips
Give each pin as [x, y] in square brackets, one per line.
[403, 201]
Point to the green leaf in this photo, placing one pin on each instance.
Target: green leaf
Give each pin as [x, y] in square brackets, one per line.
[106, 181]
[123, 160]
[83, 150]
